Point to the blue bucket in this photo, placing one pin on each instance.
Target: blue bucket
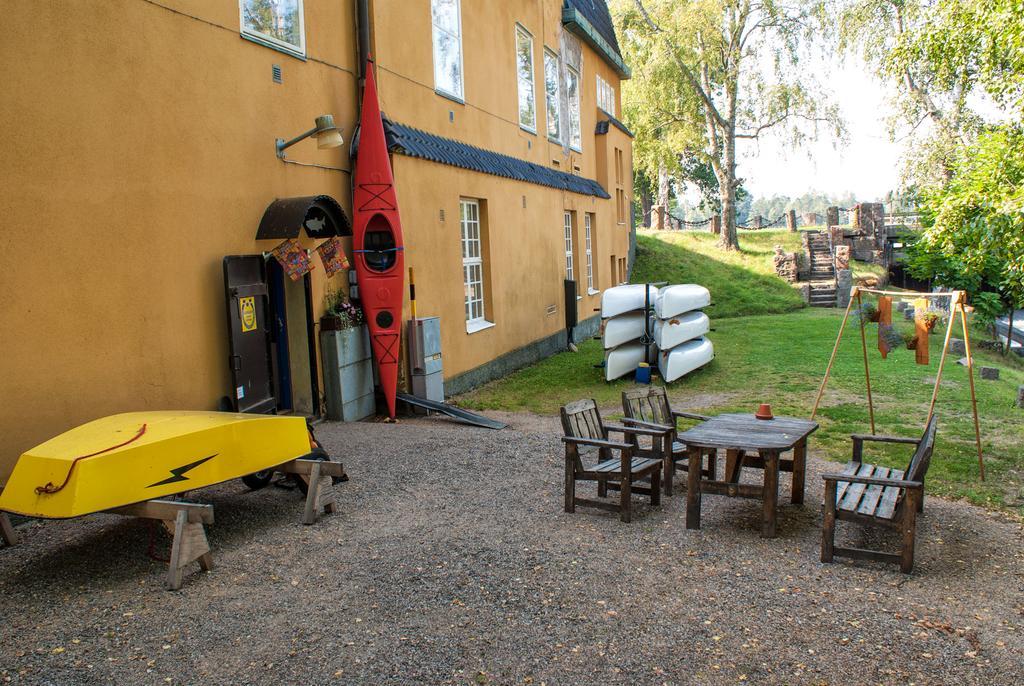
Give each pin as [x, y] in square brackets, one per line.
[643, 373]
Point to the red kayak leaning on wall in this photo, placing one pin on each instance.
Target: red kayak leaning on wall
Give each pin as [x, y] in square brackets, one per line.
[377, 242]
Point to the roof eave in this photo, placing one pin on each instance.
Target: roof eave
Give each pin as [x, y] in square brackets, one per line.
[581, 26]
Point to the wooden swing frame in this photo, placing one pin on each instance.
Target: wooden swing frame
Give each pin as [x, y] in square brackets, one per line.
[957, 303]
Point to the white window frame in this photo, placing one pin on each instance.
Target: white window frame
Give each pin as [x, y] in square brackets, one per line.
[575, 125]
[605, 96]
[567, 226]
[550, 54]
[460, 96]
[530, 87]
[588, 244]
[272, 42]
[471, 263]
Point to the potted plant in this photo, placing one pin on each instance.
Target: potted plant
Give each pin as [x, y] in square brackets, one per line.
[889, 336]
[340, 313]
[869, 312]
[910, 340]
[930, 319]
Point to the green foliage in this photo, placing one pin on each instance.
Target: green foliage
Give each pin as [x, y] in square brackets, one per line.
[975, 237]
[741, 282]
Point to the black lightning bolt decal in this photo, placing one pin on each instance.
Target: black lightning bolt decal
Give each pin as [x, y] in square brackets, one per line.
[178, 472]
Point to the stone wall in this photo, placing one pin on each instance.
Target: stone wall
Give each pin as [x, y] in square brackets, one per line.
[786, 264]
[844, 282]
[842, 257]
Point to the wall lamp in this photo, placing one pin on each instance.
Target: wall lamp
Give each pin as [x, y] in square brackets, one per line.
[325, 132]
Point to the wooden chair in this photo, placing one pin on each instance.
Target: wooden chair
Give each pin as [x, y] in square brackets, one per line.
[583, 427]
[880, 496]
[649, 407]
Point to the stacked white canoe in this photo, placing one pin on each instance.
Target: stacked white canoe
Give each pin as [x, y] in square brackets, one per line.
[679, 329]
[623, 312]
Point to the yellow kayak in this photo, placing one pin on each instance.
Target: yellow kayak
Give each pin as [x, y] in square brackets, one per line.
[128, 458]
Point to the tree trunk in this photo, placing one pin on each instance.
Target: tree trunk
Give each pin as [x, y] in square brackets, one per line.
[663, 187]
[727, 190]
[646, 203]
[1009, 332]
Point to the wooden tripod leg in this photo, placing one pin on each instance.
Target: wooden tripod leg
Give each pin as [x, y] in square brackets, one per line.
[970, 376]
[7, 531]
[189, 545]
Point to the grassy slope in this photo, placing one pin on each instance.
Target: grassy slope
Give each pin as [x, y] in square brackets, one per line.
[780, 359]
[740, 282]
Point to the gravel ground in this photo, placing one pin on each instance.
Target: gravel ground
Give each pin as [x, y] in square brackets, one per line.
[450, 561]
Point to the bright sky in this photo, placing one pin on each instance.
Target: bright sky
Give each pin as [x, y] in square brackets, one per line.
[867, 164]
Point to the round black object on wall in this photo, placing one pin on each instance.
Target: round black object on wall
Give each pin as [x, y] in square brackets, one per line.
[385, 319]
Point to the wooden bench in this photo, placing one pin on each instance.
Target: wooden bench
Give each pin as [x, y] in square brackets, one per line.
[649, 407]
[583, 427]
[875, 495]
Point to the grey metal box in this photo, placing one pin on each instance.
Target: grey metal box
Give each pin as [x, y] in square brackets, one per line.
[348, 374]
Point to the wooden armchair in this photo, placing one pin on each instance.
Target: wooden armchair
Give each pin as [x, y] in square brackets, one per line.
[648, 407]
[583, 427]
[880, 496]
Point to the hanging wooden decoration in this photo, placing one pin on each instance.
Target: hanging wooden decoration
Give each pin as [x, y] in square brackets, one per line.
[921, 331]
[884, 323]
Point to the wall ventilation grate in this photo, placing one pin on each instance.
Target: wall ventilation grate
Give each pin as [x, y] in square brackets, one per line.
[276, 72]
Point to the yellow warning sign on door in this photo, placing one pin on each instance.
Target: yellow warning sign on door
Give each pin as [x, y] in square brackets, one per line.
[247, 311]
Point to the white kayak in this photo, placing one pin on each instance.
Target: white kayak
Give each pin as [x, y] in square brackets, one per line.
[684, 358]
[620, 299]
[668, 333]
[623, 328]
[675, 300]
[625, 359]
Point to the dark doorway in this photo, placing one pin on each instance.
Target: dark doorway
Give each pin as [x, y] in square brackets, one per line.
[293, 351]
[245, 284]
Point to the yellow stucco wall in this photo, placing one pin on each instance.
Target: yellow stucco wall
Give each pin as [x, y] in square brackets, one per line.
[526, 248]
[140, 152]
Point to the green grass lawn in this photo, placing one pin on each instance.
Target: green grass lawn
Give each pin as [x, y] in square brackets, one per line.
[780, 359]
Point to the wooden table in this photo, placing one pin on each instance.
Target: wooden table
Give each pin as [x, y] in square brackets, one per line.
[737, 435]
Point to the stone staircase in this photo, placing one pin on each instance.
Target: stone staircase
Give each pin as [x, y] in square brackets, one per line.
[822, 274]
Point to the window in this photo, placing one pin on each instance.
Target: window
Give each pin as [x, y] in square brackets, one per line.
[605, 96]
[588, 246]
[568, 246]
[447, 47]
[618, 166]
[473, 274]
[573, 84]
[275, 23]
[553, 95]
[613, 271]
[524, 70]
[623, 273]
[620, 206]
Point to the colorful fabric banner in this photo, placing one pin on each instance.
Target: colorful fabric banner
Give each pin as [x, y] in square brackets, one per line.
[293, 259]
[332, 254]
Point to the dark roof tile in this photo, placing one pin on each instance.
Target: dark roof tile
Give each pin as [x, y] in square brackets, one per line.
[406, 140]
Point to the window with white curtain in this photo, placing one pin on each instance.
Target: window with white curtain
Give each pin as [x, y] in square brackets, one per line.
[573, 86]
[447, 23]
[553, 95]
[567, 221]
[472, 261]
[588, 247]
[524, 72]
[606, 96]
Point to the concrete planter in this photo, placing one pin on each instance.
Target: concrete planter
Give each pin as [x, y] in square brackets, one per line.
[348, 373]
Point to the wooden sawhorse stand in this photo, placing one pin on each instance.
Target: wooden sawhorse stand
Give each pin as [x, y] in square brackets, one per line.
[7, 531]
[185, 523]
[318, 475]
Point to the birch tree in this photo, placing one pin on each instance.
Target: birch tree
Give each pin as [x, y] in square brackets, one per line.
[728, 69]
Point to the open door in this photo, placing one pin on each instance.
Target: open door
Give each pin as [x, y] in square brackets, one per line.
[249, 357]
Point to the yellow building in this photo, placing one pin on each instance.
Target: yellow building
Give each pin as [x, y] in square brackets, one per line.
[141, 153]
